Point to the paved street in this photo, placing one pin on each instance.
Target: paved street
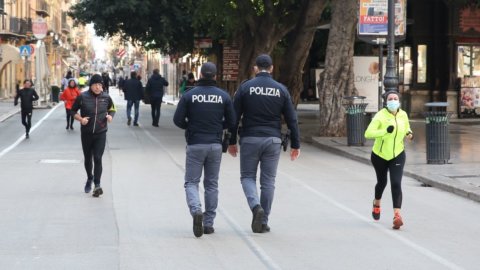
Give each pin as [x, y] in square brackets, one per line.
[320, 218]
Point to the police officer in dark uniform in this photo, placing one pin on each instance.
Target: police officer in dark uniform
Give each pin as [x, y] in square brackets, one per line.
[260, 103]
[204, 112]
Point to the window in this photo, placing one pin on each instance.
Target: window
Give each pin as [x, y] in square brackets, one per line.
[468, 61]
[405, 65]
[422, 64]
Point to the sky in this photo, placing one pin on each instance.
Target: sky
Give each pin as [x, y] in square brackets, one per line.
[99, 44]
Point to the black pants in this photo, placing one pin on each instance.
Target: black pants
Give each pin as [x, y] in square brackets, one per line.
[70, 118]
[93, 147]
[27, 120]
[382, 167]
[156, 103]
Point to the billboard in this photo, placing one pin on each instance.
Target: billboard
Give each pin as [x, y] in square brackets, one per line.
[373, 20]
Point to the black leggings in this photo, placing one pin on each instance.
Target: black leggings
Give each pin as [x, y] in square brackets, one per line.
[27, 120]
[395, 166]
[93, 147]
[70, 117]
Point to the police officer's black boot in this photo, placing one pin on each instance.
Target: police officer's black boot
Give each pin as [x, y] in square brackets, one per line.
[257, 219]
[198, 224]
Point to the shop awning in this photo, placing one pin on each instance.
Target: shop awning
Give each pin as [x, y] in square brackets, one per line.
[9, 53]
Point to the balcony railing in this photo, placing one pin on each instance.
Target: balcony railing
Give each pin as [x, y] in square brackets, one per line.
[20, 26]
[43, 8]
[65, 28]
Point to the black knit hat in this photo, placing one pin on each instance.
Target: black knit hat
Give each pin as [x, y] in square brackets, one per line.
[386, 94]
[95, 79]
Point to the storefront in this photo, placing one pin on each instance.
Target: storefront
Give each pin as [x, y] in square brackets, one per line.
[467, 47]
[440, 58]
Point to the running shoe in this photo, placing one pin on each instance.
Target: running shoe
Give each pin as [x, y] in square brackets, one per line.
[397, 222]
[376, 211]
[265, 228]
[88, 186]
[97, 191]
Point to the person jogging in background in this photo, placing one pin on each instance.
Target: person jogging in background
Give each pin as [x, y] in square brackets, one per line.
[27, 96]
[260, 103]
[69, 95]
[389, 128]
[96, 110]
[204, 112]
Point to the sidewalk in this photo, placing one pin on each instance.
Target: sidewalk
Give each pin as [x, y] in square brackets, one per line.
[461, 176]
[7, 109]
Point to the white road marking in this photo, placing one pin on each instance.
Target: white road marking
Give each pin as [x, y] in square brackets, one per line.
[390, 232]
[60, 161]
[256, 248]
[19, 140]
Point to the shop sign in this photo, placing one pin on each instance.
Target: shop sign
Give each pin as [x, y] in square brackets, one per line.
[366, 70]
[231, 62]
[203, 43]
[470, 19]
[373, 20]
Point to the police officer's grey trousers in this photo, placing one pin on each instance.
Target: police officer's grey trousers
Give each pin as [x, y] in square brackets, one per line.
[266, 151]
[206, 157]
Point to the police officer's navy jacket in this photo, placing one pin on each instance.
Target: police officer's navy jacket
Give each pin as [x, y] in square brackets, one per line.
[27, 96]
[260, 103]
[97, 107]
[204, 112]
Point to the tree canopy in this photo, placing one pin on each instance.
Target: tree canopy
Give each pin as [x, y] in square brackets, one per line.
[164, 25]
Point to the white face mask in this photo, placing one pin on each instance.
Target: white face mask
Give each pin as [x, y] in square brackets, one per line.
[393, 105]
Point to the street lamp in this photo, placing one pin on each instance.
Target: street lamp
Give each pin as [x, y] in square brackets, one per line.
[391, 79]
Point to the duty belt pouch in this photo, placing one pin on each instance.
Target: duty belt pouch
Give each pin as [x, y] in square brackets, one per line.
[225, 141]
[285, 140]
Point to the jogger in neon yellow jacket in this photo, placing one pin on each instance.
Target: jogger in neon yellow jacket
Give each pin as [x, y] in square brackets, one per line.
[389, 128]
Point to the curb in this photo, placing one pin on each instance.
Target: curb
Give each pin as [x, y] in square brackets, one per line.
[438, 181]
[9, 114]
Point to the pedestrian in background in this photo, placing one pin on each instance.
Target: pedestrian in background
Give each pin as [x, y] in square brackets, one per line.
[65, 79]
[133, 90]
[121, 82]
[204, 112]
[27, 96]
[389, 128]
[155, 88]
[69, 95]
[106, 82]
[260, 103]
[96, 111]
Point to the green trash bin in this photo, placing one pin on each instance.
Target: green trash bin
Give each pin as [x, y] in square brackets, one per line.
[436, 132]
[355, 109]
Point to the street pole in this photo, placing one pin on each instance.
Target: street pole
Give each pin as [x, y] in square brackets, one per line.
[391, 79]
[380, 75]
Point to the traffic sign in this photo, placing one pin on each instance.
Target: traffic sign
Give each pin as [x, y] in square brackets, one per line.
[39, 28]
[25, 50]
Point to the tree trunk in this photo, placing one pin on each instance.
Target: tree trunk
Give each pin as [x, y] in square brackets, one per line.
[300, 40]
[337, 80]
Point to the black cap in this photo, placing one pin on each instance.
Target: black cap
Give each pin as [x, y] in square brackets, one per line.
[263, 61]
[95, 79]
[208, 70]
